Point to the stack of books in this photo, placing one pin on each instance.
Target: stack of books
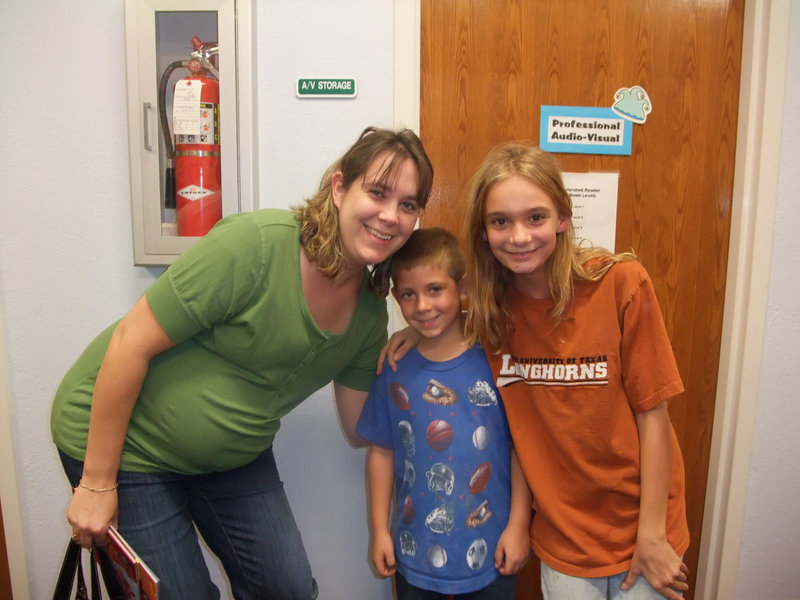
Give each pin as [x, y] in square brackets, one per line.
[136, 580]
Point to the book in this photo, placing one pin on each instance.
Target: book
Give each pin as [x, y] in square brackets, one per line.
[137, 580]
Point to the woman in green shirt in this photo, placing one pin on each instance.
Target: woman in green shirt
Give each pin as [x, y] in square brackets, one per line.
[166, 421]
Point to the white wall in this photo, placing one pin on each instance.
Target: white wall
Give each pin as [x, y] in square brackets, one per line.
[770, 547]
[66, 266]
[66, 262]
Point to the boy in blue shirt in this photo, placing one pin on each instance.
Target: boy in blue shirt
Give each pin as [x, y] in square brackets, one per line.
[440, 446]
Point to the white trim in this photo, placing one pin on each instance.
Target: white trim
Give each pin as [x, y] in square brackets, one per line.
[406, 63]
[9, 492]
[764, 49]
[406, 93]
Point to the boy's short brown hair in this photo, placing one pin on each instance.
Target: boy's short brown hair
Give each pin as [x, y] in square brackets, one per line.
[430, 246]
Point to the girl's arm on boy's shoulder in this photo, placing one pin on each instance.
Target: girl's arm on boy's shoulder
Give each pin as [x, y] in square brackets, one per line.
[514, 546]
[397, 347]
[653, 557]
[380, 479]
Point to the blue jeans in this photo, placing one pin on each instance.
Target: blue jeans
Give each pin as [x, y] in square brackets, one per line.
[243, 516]
[557, 586]
[502, 588]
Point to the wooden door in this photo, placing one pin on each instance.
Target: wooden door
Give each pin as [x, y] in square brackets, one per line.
[5, 574]
[486, 68]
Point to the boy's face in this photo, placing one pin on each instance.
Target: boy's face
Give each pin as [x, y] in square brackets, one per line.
[429, 299]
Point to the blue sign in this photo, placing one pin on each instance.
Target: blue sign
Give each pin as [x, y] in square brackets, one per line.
[584, 130]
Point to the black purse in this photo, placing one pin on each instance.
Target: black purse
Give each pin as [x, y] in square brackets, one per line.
[72, 566]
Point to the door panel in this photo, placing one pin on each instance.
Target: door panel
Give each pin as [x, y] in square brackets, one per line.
[5, 575]
[486, 68]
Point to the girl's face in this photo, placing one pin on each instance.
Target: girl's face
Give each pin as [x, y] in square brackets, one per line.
[376, 219]
[521, 222]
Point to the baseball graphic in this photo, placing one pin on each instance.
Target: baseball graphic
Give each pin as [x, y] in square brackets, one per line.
[437, 556]
[480, 437]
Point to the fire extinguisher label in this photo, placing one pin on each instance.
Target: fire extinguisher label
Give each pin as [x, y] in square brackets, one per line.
[194, 192]
[208, 129]
[186, 107]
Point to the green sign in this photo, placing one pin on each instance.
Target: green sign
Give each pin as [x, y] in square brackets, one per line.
[326, 88]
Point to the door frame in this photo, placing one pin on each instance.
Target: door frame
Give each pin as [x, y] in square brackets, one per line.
[764, 50]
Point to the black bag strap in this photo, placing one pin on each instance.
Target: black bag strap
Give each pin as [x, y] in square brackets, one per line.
[97, 594]
[80, 591]
[100, 565]
[66, 577]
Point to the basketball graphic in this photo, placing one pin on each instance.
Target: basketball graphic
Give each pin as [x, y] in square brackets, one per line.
[439, 435]
[480, 477]
[399, 395]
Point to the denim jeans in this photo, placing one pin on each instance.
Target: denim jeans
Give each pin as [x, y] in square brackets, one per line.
[502, 588]
[243, 516]
[557, 586]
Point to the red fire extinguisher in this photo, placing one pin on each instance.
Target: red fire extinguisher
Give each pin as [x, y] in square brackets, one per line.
[196, 182]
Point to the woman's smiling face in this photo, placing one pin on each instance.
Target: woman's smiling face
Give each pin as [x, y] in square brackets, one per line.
[376, 218]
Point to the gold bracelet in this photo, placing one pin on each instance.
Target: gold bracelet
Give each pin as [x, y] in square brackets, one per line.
[98, 490]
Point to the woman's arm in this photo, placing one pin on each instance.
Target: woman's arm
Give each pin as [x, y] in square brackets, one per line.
[653, 557]
[349, 404]
[136, 340]
[380, 478]
[514, 546]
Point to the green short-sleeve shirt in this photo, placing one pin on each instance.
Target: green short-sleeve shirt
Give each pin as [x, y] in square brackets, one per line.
[248, 351]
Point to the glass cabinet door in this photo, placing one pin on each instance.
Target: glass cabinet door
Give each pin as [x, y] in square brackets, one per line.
[190, 70]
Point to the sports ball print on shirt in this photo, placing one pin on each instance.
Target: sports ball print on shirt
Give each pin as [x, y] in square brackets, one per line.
[441, 475]
[447, 428]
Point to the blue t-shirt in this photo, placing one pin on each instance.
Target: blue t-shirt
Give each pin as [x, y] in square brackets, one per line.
[447, 427]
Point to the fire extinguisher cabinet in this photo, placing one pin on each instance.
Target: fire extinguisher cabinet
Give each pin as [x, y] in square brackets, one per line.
[190, 68]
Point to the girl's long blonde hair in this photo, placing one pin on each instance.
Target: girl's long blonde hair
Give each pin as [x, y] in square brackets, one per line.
[489, 319]
[319, 217]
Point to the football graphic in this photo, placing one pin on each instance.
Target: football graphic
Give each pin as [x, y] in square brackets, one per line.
[480, 477]
[399, 395]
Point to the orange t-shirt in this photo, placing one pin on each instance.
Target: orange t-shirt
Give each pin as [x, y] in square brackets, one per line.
[571, 394]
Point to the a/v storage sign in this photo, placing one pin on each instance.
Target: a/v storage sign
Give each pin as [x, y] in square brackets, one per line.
[326, 88]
